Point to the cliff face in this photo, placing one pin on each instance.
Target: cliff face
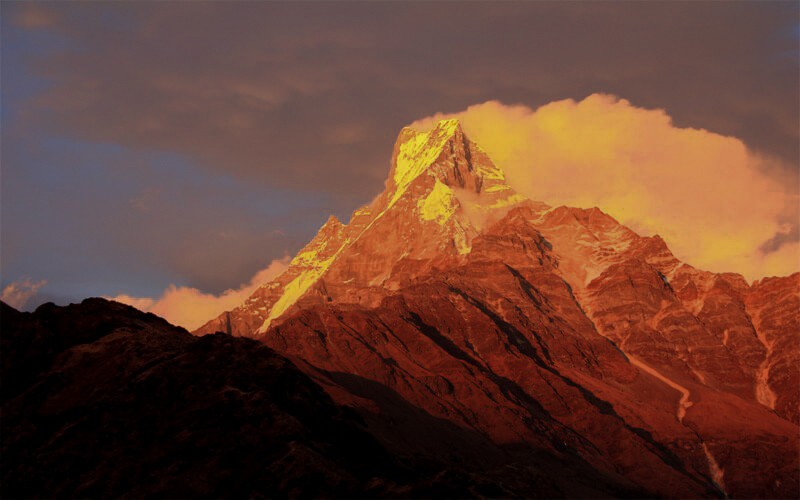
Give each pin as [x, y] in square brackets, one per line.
[773, 305]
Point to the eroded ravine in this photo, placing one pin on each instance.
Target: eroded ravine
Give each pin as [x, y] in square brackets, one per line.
[685, 402]
[716, 472]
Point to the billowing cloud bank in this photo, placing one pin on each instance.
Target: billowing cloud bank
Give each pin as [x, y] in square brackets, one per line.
[718, 205]
[190, 308]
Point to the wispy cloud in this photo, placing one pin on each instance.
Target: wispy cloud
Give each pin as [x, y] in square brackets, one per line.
[18, 293]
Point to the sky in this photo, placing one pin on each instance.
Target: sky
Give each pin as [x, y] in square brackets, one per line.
[158, 148]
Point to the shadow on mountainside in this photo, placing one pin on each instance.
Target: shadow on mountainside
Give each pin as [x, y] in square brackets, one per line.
[514, 469]
[102, 400]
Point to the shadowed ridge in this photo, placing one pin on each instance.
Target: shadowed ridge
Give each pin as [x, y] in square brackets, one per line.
[170, 414]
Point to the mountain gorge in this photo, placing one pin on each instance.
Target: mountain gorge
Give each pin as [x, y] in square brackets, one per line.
[467, 341]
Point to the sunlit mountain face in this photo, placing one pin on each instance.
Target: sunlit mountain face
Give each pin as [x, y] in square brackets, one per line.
[454, 338]
[230, 271]
[553, 327]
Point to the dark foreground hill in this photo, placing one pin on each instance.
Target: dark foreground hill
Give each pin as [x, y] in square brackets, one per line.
[100, 400]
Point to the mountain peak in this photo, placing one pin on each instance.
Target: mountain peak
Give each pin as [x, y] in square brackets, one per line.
[415, 152]
[441, 189]
[445, 153]
[332, 222]
[447, 126]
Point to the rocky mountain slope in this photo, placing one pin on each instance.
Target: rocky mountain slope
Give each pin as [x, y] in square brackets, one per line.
[453, 299]
[100, 400]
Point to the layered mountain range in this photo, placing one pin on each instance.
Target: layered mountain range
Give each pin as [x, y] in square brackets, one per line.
[452, 304]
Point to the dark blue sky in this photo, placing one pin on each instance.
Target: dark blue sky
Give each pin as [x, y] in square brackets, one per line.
[193, 143]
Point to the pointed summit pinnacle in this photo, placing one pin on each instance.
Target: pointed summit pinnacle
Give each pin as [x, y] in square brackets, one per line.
[445, 153]
[415, 152]
[441, 190]
[449, 126]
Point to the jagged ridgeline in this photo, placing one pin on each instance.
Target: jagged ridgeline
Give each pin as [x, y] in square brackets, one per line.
[452, 303]
[442, 190]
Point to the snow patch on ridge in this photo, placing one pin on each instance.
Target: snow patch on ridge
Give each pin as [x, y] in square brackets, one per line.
[497, 188]
[418, 153]
[717, 473]
[300, 285]
[439, 205]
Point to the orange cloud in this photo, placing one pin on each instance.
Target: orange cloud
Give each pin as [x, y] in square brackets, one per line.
[18, 293]
[706, 194]
[190, 308]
